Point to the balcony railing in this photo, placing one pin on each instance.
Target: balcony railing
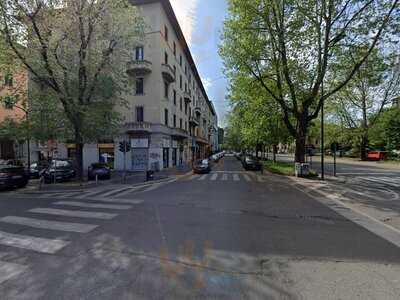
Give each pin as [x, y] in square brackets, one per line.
[139, 67]
[168, 73]
[138, 127]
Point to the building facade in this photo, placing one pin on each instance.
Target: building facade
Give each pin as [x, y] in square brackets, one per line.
[170, 120]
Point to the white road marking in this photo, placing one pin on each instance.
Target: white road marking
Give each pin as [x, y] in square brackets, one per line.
[93, 205]
[214, 177]
[88, 194]
[247, 177]
[224, 177]
[115, 191]
[383, 180]
[37, 244]
[203, 177]
[52, 225]
[236, 177]
[74, 213]
[10, 270]
[115, 200]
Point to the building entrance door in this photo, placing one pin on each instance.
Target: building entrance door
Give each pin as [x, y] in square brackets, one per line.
[174, 157]
[165, 158]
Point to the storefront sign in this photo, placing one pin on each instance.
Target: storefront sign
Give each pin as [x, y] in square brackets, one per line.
[140, 143]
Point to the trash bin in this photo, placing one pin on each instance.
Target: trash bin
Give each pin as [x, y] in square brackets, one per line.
[301, 169]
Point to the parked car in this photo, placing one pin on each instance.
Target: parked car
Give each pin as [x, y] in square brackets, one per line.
[36, 168]
[102, 171]
[250, 163]
[13, 176]
[202, 166]
[12, 162]
[58, 170]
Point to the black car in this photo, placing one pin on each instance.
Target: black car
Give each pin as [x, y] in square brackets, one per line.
[13, 176]
[102, 171]
[202, 166]
[250, 163]
[58, 170]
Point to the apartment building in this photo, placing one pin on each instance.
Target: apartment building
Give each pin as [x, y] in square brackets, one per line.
[170, 120]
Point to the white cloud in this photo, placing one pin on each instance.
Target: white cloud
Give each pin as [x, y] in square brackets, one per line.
[185, 11]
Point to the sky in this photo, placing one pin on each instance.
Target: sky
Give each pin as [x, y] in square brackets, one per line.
[202, 23]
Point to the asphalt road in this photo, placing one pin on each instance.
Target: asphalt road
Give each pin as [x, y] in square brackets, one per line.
[230, 234]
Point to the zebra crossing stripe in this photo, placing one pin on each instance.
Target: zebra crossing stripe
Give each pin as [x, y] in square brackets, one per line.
[89, 194]
[204, 177]
[37, 244]
[224, 177]
[74, 213]
[93, 205]
[10, 270]
[45, 224]
[115, 200]
[382, 181]
[214, 176]
[236, 177]
[246, 177]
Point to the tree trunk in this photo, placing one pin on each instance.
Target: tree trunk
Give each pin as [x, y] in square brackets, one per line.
[274, 151]
[301, 135]
[363, 147]
[79, 154]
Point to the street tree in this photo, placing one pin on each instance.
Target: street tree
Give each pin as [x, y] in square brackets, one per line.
[290, 48]
[360, 104]
[76, 53]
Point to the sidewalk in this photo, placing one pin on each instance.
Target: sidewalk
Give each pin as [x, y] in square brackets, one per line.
[132, 178]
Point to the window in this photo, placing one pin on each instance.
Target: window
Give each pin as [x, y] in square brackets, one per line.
[180, 123]
[180, 103]
[166, 32]
[174, 97]
[186, 125]
[166, 58]
[185, 69]
[185, 86]
[174, 49]
[174, 121]
[139, 114]
[139, 86]
[166, 117]
[180, 81]
[139, 53]
[186, 108]
[174, 70]
[180, 60]
[8, 79]
[166, 90]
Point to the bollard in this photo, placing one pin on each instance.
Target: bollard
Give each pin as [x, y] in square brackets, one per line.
[41, 180]
[97, 179]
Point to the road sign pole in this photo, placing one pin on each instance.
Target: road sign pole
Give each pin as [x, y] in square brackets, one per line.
[124, 177]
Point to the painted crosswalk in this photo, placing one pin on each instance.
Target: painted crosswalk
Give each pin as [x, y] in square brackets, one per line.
[51, 225]
[93, 205]
[37, 244]
[226, 176]
[9, 270]
[73, 213]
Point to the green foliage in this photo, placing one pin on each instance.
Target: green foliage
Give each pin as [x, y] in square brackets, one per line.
[385, 134]
[282, 168]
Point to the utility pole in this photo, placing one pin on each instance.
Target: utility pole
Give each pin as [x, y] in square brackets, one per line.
[322, 135]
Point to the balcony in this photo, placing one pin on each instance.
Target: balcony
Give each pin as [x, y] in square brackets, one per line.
[179, 133]
[187, 96]
[194, 121]
[139, 67]
[137, 127]
[197, 110]
[168, 73]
